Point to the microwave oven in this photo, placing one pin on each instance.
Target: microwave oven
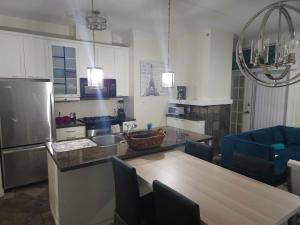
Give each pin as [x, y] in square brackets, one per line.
[176, 110]
[109, 89]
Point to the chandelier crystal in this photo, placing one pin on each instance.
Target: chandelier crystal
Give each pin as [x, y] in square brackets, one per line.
[285, 48]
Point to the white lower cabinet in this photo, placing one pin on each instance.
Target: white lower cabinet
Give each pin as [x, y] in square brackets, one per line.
[190, 125]
[69, 133]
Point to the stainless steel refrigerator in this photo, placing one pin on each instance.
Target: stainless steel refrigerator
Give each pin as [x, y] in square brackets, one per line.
[26, 123]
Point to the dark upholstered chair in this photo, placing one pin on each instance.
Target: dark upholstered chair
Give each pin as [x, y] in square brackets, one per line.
[258, 169]
[130, 207]
[199, 150]
[172, 208]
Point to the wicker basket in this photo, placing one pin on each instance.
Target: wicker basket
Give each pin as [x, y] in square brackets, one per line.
[141, 140]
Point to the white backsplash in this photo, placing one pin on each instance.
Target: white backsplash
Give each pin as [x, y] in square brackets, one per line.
[87, 108]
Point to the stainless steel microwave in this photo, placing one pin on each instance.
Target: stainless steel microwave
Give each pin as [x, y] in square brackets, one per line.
[176, 110]
[109, 89]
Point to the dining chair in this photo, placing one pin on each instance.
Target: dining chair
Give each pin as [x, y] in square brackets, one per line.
[131, 209]
[172, 208]
[199, 150]
[258, 169]
[295, 176]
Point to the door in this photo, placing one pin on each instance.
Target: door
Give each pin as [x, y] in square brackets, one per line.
[37, 60]
[105, 58]
[25, 112]
[85, 59]
[248, 103]
[24, 165]
[11, 56]
[270, 107]
[64, 65]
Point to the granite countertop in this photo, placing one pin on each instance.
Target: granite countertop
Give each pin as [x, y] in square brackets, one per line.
[71, 124]
[80, 158]
[78, 123]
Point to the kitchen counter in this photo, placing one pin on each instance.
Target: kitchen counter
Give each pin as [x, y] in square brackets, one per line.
[80, 158]
[71, 124]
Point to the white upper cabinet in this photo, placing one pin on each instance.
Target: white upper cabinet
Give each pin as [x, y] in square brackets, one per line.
[105, 58]
[122, 71]
[37, 60]
[85, 58]
[64, 64]
[11, 56]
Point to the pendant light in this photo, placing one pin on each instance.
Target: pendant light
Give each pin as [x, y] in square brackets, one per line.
[269, 73]
[168, 76]
[95, 74]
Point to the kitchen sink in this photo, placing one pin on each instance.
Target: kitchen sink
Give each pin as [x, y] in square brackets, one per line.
[108, 140]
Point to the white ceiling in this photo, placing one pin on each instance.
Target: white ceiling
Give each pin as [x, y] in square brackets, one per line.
[229, 15]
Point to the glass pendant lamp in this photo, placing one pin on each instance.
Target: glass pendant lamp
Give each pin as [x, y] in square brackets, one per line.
[94, 74]
[168, 77]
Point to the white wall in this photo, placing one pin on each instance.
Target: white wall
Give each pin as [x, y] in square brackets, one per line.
[146, 109]
[203, 62]
[87, 108]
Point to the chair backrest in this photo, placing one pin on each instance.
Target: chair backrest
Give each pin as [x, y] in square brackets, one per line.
[295, 176]
[199, 150]
[254, 167]
[172, 208]
[126, 191]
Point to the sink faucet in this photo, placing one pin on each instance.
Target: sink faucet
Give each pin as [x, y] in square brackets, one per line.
[131, 127]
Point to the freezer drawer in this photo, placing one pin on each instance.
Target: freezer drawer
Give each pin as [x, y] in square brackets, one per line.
[24, 165]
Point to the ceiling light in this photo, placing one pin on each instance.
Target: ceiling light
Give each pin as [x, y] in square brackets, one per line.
[168, 76]
[95, 22]
[284, 49]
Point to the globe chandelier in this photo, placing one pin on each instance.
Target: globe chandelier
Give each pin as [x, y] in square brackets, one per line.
[276, 74]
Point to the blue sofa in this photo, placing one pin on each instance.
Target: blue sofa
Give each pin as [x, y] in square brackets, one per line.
[263, 144]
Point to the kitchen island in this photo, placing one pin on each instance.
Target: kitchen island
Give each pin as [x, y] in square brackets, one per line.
[81, 184]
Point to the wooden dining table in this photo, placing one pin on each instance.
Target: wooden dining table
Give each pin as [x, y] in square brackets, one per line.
[224, 197]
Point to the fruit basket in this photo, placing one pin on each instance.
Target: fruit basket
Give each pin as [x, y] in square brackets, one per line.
[142, 140]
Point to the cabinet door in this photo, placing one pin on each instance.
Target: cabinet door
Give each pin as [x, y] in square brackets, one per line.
[105, 58]
[85, 59]
[37, 64]
[64, 65]
[122, 71]
[11, 56]
[194, 126]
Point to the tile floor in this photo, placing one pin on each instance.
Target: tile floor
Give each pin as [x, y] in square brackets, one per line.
[26, 206]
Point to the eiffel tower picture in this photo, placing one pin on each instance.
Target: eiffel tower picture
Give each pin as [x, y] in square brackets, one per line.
[151, 89]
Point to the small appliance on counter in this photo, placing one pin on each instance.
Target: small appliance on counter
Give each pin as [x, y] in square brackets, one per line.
[176, 110]
[121, 115]
[181, 92]
[109, 89]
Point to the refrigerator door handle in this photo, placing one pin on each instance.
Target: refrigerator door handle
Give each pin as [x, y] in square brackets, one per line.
[53, 121]
[16, 150]
[1, 139]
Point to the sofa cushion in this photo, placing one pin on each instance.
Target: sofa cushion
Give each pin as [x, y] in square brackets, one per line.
[293, 152]
[278, 134]
[292, 136]
[278, 148]
[263, 137]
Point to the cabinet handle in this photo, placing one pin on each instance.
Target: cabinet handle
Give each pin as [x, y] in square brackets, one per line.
[70, 131]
